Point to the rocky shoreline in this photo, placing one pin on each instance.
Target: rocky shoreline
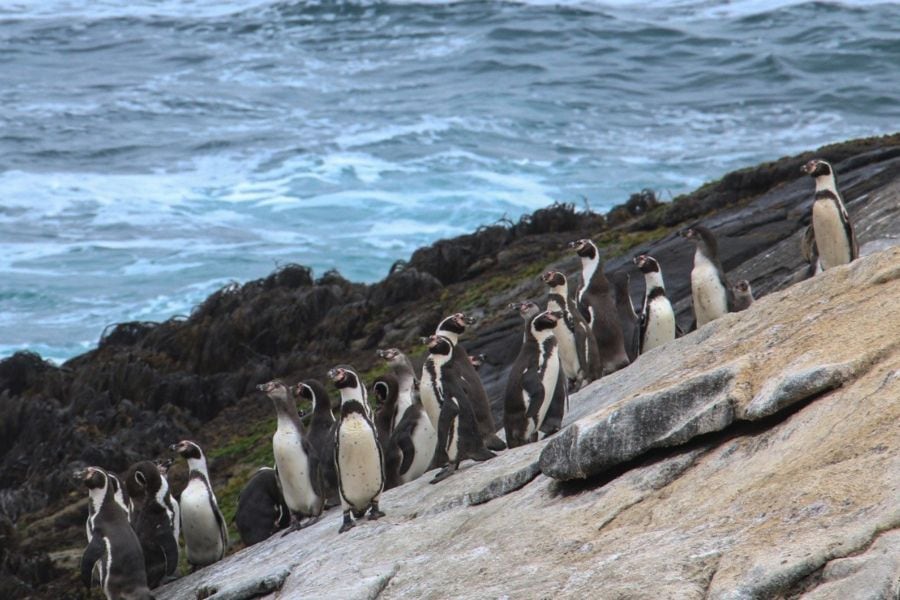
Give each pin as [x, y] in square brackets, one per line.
[147, 385]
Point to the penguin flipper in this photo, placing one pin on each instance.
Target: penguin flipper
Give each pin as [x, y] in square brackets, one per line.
[531, 384]
[92, 554]
[408, 450]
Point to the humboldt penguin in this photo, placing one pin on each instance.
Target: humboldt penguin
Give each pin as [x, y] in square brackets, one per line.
[536, 382]
[578, 352]
[401, 367]
[320, 434]
[297, 467]
[458, 435]
[163, 465]
[743, 295]
[451, 328]
[409, 448]
[711, 294]
[202, 525]
[114, 547]
[261, 510]
[385, 389]
[835, 240]
[596, 301]
[628, 317]
[358, 454]
[657, 317]
[119, 494]
[153, 520]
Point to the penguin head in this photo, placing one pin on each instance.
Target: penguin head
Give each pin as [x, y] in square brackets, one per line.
[385, 389]
[94, 478]
[187, 449]
[742, 286]
[392, 355]
[163, 465]
[143, 479]
[478, 361]
[439, 345]
[344, 377]
[313, 391]
[526, 309]
[584, 248]
[646, 263]
[455, 323]
[275, 389]
[702, 236]
[817, 168]
[543, 323]
[553, 278]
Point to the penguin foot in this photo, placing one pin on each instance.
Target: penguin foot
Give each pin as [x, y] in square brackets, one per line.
[348, 523]
[375, 514]
[493, 442]
[483, 454]
[443, 474]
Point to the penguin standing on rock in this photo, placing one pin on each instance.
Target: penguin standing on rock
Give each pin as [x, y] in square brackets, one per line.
[202, 524]
[298, 469]
[834, 237]
[321, 435]
[261, 510]
[458, 435]
[628, 318]
[385, 390]
[657, 317]
[409, 448]
[153, 520]
[358, 454]
[743, 295]
[114, 547]
[597, 303]
[451, 328]
[536, 383]
[402, 369]
[712, 296]
[578, 350]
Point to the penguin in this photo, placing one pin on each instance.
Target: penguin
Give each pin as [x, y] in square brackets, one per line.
[298, 470]
[119, 496]
[407, 384]
[261, 510]
[835, 240]
[743, 295]
[711, 294]
[628, 318]
[358, 454]
[153, 520]
[114, 547]
[416, 439]
[597, 304]
[536, 382]
[578, 350]
[163, 465]
[451, 328]
[202, 524]
[385, 389]
[458, 434]
[657, 316]
[320, 434]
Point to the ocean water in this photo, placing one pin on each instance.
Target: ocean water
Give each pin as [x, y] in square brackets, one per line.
[153, 151]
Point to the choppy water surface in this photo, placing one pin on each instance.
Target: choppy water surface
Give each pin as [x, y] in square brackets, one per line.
[151, 152]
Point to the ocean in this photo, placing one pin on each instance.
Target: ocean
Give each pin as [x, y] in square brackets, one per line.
[154, 151]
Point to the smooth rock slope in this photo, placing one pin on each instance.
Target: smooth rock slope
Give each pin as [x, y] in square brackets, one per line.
[758, 457]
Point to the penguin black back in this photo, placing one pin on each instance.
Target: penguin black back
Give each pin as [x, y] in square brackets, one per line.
[261, 510]
[153, 520]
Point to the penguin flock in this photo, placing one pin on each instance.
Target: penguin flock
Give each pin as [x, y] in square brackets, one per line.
[421, 421]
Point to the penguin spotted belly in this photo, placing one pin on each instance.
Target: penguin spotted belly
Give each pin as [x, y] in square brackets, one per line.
[293, 470]
[709, 296]
[359, 462]
[199, 525]
[831, 236]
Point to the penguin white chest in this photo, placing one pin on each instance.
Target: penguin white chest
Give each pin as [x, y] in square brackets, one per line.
[429, 398]
[660, 323]
[831, 235]
[709, 295]
[565, 338]
[453, 435]
[294, 471]
[549, 379]
[358, 462]
[202, 538]
[424, 439]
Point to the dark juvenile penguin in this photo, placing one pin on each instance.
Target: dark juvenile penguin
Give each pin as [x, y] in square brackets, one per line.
[320, 434]
[114, 546]
[261, 510]
[657, 317]
[385, 390]
[743, 295]
[628, 318]
[711, 294]
[407, 384]
[536, 382]
[451, 328]
[578, 352]
[358, 454]
[596, 301]
[298, 469]
[835, 240]
[202, 525]
[119, 496]
[458, 435]
[153, 520]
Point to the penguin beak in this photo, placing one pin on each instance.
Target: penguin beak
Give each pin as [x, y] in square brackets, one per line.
[174, 447]
[574, 244]
[380, 353]
[261, 387]
[514, 306]
[470, 320]
[79, 474]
